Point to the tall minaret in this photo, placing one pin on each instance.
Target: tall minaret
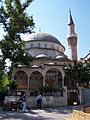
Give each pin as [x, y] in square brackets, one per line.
[72, 39]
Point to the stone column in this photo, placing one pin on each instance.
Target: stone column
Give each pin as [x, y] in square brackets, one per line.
[62, 81]
[43, 80]
[63, 75]
[28, 87]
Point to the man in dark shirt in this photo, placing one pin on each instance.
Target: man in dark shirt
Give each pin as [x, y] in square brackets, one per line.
[39, 100]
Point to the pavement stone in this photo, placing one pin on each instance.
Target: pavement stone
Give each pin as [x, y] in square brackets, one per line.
[35, 114]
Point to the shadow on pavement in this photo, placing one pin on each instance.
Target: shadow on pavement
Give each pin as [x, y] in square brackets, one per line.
[35, 114]
[63, 110]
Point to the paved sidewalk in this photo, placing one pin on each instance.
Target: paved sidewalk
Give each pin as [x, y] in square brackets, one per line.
[36, 114]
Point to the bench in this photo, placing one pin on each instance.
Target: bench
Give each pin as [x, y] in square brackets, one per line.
[86, 108]
[78, 115]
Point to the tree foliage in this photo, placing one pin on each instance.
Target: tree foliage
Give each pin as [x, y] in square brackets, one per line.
[4, 83]
[15, 22]
[79, 72]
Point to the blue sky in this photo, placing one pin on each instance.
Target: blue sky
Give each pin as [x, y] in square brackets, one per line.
[52, 16]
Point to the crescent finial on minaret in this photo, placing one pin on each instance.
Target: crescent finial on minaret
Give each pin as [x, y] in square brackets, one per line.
[69, 11]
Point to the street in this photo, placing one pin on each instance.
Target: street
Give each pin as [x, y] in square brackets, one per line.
[36, 114]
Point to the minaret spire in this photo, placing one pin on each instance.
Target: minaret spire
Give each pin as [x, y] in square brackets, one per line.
[72, 39]
[71, 19]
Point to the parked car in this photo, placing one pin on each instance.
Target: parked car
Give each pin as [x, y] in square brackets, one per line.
[11, 103]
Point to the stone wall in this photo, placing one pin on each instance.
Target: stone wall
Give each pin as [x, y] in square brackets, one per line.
[51, 101]
[48, 101]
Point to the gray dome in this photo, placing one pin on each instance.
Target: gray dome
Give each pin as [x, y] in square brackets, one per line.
[39, 36]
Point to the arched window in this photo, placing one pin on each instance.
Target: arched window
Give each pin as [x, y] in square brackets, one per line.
[52, 46]
[57, 48]
[39, 45]
[45, 45]
[21, 79]
[35, 80]
[53, 78]
[31, 45]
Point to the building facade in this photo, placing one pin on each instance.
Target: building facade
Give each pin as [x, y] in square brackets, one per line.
[47, 69]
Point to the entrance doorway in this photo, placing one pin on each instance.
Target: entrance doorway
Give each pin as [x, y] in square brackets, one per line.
[73, 98]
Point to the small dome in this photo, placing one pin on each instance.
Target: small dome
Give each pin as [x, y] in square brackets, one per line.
[40, 36]
[59, 57]
[41, 56]
[35, 66]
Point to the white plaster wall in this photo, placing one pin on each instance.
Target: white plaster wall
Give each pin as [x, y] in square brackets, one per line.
[55, 50]
[49, 53]
[42, 45]
[50, 101]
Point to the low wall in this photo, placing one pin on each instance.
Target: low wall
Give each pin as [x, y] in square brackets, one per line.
[50, 101]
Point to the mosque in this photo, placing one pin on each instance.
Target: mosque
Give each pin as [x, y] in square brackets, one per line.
[47, 69]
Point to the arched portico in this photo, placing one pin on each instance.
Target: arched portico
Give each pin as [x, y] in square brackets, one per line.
[21, 79]
[59, 68]
[53, 78]
[35, 80]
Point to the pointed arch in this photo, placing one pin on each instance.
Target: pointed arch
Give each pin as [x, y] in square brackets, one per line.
[53, 78]
[21, 79]
[35, 80]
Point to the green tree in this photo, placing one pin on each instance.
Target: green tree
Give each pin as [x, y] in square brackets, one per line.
[86, 74]
[4, 83]
[79, 72]
[15, 21]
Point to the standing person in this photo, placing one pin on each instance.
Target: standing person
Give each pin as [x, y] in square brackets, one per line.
[39, 100]
[24, 102]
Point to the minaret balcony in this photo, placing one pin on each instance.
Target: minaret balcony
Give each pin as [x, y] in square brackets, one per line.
[71, 35]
